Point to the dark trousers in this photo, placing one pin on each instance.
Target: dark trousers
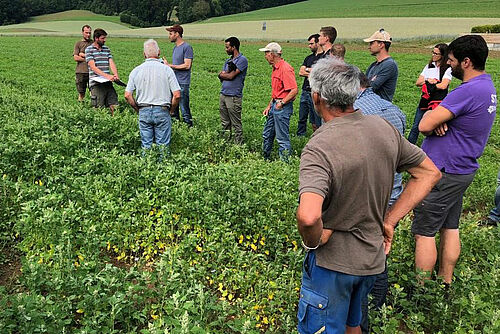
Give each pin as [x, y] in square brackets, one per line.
[413, 135]
[379, 294]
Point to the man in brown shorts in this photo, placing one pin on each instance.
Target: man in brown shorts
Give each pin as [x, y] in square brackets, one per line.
[82, 71]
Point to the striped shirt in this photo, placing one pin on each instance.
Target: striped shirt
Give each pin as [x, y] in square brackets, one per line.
[101, 60]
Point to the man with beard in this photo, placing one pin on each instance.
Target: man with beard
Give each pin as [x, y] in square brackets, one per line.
[82, 71]
[457, 132]
[232, 77]
[382, 73]
[182, 59]
[100, 62]
[306, 105]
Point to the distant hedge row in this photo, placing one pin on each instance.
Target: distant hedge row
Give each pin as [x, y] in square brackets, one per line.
[487, 28]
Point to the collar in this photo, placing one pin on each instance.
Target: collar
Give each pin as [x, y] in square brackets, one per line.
[367, 91]
[234, 58]
[278, 64]
[154, 59]
[380, 62]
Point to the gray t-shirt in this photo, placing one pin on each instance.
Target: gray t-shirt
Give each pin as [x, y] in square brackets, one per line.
[350, 161]
[383, 78]
[181, 52]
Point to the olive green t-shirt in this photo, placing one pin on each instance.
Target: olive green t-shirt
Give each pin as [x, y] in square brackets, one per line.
[80, 46]
[350, 161]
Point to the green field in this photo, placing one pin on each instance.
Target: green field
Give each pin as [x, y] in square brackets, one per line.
[368, 8]
[96, 239]
[77, 15]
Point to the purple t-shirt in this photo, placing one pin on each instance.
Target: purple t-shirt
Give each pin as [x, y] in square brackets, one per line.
[474, 105]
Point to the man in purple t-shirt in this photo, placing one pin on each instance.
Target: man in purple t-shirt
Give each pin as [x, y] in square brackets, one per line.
[457, 132]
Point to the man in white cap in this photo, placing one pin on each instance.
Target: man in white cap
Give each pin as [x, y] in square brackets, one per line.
[383, 73]
[280, 108]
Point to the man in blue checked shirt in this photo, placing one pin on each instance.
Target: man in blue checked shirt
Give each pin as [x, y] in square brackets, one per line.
[372, 104]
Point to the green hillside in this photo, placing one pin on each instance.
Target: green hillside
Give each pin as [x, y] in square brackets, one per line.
[75, 15]
[368, 8]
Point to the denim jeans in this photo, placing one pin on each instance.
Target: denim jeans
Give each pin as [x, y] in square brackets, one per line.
[278, 125]
[495, 212]
[413, 135]
[378, 293]
[307, 109]
[397, 188]
[155, 123]
[184, 106]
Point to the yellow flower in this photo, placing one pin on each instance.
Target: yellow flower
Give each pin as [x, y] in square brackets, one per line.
[240, 240]
[79, 311]
[253, 247]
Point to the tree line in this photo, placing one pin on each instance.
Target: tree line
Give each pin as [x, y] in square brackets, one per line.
[140, 13]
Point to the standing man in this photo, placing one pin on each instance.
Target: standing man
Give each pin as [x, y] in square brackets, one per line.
[382, 73]
[82, 71]
[494, 216]
[157, 92]
[306, 105]
[327, 36]
[370, 103]
[457, 132]
[232, 77]
[345, 246]
[182, 60]
[280, 108]
[100, 62]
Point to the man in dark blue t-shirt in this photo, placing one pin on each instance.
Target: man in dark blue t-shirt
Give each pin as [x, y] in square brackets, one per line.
[306, 104]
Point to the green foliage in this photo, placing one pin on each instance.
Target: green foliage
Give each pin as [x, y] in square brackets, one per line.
[204, 242]
[488, 28]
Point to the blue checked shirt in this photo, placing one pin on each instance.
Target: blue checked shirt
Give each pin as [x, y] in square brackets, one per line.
[371, 104]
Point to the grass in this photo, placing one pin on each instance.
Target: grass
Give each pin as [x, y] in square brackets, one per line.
[76, 15]
[204, 242]
[367, 8]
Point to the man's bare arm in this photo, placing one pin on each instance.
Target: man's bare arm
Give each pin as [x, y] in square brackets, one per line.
[435, 121]
[130, 99]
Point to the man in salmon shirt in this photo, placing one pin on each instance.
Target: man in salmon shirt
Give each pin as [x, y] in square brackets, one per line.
[280, 108]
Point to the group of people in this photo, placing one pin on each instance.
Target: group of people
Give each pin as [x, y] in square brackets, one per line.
[351, 195]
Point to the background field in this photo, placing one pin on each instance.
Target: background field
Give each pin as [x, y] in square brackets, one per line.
[205, 242]
[369, 8]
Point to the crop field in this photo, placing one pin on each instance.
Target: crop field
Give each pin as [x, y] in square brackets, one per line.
[95, 238]
[368, 8]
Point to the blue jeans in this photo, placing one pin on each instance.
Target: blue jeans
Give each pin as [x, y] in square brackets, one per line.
[184, 106]
[278, 125]
[155, 123]
[378, 293]
[495, 212]
[397, 188]
[413, 135]
[307, 109]
[330, 300]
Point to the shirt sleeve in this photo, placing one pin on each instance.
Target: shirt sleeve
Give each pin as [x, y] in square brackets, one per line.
[130, 84]
[458, 101]
[387, 71]
[410, 155]
[242, 64]
[172, 80]
[76, 50]
[424, 71]
[314, 176]
[447, 74]
[89, 55]
[289, 81]
[188, 52]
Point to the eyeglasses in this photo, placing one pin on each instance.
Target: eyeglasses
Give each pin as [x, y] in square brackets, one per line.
[435, 53]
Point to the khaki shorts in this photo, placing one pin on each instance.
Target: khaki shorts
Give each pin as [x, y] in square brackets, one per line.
[103, 95]
[82, 82]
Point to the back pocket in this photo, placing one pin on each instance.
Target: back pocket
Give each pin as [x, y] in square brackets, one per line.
[312, 312]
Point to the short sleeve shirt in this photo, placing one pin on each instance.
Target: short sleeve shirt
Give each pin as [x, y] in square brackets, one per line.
[282, 80]
[80, 46]
[309, 61]
[383, 78]
[473, 105]
[350, 161]
[179, 53]
[153, 82]
[434, 72]
[101, 59]
[235, 87]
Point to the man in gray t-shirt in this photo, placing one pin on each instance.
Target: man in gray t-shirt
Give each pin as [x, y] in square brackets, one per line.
[346, 174]
[182, 60]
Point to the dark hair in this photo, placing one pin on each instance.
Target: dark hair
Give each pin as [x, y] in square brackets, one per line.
[443, 63]
[363, 80]
[86, 26]
[233, 41]
[315, 36]
[330, 32]
[473, 47]
[387, 45]
[99, 32]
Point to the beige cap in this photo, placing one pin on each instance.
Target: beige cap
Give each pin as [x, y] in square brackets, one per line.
[272, 47]
[380, 35]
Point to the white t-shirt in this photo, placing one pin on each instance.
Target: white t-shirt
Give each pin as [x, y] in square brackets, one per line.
[433, 73]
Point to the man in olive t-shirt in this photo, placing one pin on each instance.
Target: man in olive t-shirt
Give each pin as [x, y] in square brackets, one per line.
[346, 174]
[82, 71]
